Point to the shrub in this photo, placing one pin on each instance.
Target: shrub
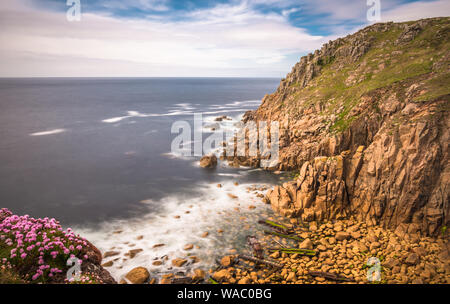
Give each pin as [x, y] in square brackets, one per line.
[37, 249]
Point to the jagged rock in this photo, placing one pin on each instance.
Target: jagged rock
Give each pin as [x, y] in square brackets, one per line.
[412, 259]
[291, 277]
[306, 244]
[381, 156]
[281, 201]
[199, 274]
[222, 275]
[318, 193]
[410, 32]
[208, 161]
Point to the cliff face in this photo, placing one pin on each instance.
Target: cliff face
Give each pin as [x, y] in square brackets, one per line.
[365, 121]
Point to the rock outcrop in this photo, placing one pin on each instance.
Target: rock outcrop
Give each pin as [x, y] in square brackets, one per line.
[366, 122]
[208, 161]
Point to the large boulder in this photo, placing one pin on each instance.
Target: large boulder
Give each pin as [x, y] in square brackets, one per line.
[222, 275]
[138, 275]
[318, 193]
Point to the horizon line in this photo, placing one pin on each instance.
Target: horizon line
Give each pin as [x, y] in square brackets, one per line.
[142, 77]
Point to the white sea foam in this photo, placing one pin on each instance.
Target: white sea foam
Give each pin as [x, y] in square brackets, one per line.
[130, 114]
[229, 174]
[151, 132]
[185, 106]
[185, 109]
[210, 210]
[115, 119]
[175, 155]
[177, 220]
[50, 132]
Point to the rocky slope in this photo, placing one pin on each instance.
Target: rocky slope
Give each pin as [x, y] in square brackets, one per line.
[340, 252]
[365, 121]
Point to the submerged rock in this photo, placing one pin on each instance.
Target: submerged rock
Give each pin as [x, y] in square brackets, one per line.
[178, 262]
[188, 247]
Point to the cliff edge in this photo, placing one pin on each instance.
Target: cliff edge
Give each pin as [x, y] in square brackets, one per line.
[365, 121]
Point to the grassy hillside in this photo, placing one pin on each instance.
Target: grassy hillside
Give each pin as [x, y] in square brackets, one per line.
[390, 62]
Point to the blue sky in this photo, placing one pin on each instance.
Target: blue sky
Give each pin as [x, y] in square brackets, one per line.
[248, 38]
[318, 17]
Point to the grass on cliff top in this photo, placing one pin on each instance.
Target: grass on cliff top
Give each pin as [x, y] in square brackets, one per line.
[383, 65]
[436, 87]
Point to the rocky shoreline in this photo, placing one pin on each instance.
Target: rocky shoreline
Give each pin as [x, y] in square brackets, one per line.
[371, 140]
[369, 149]
[335, 252]
[342, 249]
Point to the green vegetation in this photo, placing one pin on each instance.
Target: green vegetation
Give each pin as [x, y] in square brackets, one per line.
[435, 88]
[443, 230]
[340, 86]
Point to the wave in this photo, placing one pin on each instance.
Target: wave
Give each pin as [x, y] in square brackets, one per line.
[180, 221]
[184, 109]
[50, 132]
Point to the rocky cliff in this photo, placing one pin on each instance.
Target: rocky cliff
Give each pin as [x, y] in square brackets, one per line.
[365, 121]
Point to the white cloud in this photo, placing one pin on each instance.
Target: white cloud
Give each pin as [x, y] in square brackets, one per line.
[417, 10]
[226, 40]
[155, 5]
[287, 12]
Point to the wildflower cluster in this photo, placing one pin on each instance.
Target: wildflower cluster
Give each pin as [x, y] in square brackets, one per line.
[86, 278]
[39, 248]
[5, 264]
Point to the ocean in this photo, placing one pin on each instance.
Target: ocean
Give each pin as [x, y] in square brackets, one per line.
[95, 153]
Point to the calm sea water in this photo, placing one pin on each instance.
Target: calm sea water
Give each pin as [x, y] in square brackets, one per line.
[96, 154]
[69, 151]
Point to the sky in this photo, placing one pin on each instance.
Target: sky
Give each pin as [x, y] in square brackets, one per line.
[174, 38]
